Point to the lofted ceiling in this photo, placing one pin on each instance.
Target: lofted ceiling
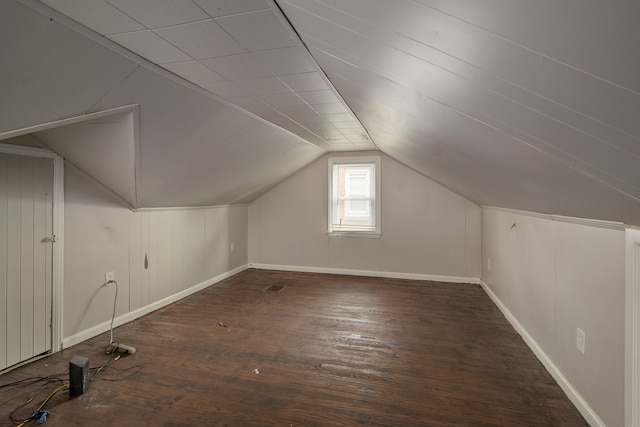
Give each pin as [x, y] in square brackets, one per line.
[531, 105]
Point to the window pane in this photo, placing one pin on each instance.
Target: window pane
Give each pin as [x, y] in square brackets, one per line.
[357, 208]
[356, 184]
[352, 196]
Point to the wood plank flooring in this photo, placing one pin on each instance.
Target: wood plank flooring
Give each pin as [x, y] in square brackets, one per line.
[330, 350]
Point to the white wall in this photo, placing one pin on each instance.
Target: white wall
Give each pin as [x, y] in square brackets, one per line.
[426, 229]
[555, 276]
[96, 240]
[185, 248]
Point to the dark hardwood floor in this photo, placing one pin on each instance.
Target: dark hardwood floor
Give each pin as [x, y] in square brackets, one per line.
[330, 350]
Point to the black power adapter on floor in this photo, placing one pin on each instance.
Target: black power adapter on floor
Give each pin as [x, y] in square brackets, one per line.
[78, 375]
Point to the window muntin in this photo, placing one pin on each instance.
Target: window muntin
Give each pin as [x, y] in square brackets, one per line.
[354, 195]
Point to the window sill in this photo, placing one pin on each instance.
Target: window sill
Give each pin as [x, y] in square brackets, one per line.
[362, 234]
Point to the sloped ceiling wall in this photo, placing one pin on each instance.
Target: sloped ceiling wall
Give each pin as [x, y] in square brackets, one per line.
[194, 150]
[524, 105]
[101, 146]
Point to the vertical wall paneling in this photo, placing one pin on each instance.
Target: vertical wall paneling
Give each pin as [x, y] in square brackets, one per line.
[13, 264]
[473, 242]
[48, 249]
[178, 251]
[42, 215]
[187, 250]
[551, 276]
[216, 238]
[165, 243]
[26, 221]
[26, 257]
[154, 260]
[144, 258]
[135, 261]
[4, 176]
[197, 250]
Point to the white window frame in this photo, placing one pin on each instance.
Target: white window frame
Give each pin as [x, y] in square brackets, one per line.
[375, 197]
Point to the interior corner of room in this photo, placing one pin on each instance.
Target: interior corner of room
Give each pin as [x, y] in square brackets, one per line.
[171, 148]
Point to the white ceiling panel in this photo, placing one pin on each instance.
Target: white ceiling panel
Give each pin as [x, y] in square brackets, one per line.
[283, 99]
[234, 72]
[258, 31]
[324, 130]
[458, 149]
[295, 111]
[553, 79]
[194, 71]
[56, 74]
[160, 13]
[150, 46]
[236, 67]
[329, 108]
[319, 97]
[555, 30]
[203, 39]
[338, 117]
[16, 49]
[287, 60]
[263, 86]
[304, 82]
[309, 119]
[217, 8]
[225, 89]
[346, 124]
[97, 14]
[593, 156]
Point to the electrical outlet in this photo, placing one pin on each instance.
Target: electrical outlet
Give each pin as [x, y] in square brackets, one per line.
[580, 340]
[107, 277]
[232, 247]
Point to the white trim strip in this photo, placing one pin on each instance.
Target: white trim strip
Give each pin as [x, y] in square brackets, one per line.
[142, 311]
[367, 273]
[632, 329]
[57, 280]
[363, 234]
[68, 121]
[188, 208]
[20, 150]
[612, 225]
[573, 395]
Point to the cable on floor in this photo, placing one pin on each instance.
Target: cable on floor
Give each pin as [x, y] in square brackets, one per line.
[112, 346]
[38, 413]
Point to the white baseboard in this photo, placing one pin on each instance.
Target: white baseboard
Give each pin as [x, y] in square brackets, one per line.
[135, 314]
[367, 273]
[590, 416]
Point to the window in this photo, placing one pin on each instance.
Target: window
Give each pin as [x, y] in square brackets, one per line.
[354, 196]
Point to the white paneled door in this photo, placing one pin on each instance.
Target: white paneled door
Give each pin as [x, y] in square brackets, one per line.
[26, 244]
